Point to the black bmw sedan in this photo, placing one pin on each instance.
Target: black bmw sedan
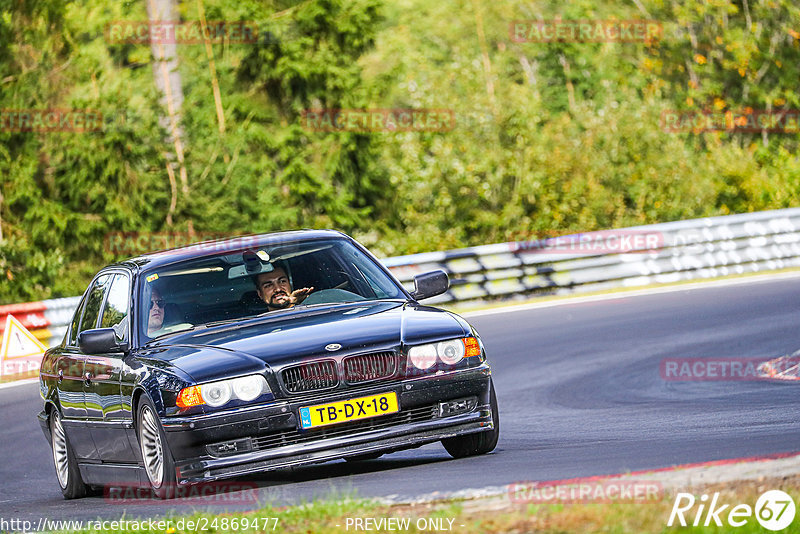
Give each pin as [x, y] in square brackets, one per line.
[231, 357]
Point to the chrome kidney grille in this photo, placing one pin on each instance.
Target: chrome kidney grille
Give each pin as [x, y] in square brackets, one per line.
[310, 376]
[368, 367]
[323, 374]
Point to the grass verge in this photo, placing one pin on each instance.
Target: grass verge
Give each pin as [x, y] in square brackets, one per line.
[485, 515]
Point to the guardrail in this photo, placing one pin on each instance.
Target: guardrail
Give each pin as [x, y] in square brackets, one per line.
[628, 257]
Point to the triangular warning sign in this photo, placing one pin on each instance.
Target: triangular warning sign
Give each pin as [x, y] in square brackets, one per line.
[18, 342]
[20, 351]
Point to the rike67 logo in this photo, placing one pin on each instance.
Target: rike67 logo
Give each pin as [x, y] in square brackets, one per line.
[774, 510]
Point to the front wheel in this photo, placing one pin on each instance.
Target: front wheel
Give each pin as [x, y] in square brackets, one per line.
[479, 442]
[67, 472]
[156, 456]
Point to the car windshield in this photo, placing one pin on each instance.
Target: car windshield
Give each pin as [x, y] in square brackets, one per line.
[223, 287]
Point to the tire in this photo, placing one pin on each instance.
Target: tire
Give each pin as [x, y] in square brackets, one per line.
[364, 457]
[67, 472]
[479, 442]
[156, 457]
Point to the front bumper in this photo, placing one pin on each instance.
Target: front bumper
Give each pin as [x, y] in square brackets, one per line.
[237, 442]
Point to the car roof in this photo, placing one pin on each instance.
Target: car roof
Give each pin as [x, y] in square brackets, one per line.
[220, 246]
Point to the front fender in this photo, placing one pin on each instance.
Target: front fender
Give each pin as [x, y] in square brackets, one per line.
[162, 386]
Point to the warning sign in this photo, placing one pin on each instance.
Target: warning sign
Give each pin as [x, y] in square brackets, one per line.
[20, 352]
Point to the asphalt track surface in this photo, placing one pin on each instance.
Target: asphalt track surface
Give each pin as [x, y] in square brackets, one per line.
[580, 394]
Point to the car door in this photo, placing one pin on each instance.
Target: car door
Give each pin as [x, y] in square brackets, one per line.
[70, 371]
[106, 416]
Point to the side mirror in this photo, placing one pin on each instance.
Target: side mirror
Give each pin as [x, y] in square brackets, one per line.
[100, 341]
[430, 284]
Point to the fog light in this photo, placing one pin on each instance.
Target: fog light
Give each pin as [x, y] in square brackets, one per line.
[229, 447]
[457, 406]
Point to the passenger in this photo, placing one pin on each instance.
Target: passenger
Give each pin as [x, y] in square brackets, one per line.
[155, 318]
[275, 289]
[163, 317]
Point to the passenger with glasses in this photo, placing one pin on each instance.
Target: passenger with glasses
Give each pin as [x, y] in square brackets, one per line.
[163, 317]
[155, 318]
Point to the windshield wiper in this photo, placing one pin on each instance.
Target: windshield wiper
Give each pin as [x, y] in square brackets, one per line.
[275, 313]
[320, 304]
[196, 327]
[223, 321]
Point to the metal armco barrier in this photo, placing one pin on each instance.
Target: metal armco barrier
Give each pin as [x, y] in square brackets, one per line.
[627, 257]
[684, 250]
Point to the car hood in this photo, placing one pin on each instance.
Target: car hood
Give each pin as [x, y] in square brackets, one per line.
[292, 335]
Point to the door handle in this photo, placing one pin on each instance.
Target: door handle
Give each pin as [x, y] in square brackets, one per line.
[87, 378]
[60, 375]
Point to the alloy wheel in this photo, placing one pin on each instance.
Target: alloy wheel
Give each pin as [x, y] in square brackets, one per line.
[60, 450]
[152, 449]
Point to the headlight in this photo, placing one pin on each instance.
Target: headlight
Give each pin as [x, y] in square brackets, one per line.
[248, 388]
[449, 352]
[423, 356]
[245, 388]
[216, 393]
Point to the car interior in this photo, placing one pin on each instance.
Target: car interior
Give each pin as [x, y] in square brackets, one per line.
[222, 288]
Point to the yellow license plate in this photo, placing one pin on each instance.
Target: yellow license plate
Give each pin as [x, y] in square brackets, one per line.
[349, 410]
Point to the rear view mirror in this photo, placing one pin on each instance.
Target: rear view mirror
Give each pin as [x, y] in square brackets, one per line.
[253, 263]
[430, 284]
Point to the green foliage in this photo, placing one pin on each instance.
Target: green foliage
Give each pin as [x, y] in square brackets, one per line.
[572, 139]
[549, 137]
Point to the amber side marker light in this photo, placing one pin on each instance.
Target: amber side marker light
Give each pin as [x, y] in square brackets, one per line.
[190, 397]
[472, 347]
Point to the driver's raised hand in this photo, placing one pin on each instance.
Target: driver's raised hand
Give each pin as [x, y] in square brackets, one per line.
[299, 295]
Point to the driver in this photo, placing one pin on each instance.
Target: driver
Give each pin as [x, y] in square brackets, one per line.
[275, 289]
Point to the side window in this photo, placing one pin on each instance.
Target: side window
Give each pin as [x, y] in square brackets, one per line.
[93, 302]
[73, 329]
[115, 312]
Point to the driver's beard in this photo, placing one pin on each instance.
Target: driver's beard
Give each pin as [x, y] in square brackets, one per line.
[280, 305]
